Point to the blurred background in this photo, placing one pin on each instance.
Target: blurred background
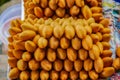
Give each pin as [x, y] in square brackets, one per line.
[4, 4]
[3, 1]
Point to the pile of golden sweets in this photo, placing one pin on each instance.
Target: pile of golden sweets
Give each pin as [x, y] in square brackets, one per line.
[62, 49]
[77, 47]
[61, 8]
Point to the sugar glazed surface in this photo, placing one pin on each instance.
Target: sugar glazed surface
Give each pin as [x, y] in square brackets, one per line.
[50, 45]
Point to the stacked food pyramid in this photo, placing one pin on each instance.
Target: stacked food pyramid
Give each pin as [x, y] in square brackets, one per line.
[61, 40]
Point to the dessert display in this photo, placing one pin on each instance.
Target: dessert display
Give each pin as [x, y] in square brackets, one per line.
[61, 39]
